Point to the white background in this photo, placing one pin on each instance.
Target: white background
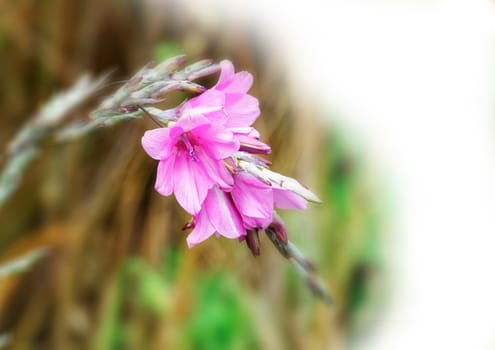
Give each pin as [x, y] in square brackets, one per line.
[413, 80]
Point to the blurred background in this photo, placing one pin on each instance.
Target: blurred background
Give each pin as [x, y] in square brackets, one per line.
[116, 272]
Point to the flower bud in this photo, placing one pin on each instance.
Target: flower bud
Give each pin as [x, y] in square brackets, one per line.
[171, 65]
[200, 69]
[253, 241]
[188, 225]
[162, 116]
[252, 145]
[269, 176]
[278, 228]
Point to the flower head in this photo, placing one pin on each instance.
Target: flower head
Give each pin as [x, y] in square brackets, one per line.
[248, 206]
[206, 159]
[228, 104]
[190, 155]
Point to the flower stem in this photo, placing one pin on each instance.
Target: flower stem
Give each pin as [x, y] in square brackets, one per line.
[304, 267]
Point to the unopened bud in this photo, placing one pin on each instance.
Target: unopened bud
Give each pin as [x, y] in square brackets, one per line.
[251, 145]
[190, 87]
[212, 69]
[171, 65]
[188, 225]
[268, 176]
[137, 102]
[253, 169]
[278, 228]
[150, 89]
[162, 116]
[253, 242]
[294, 186]
[197, 70]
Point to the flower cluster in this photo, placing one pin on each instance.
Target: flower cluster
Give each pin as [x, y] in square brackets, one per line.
[208, 158]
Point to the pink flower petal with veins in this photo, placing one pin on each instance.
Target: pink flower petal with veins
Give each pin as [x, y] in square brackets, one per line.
[203, 230]
[226, 75]
[240, 83]
[191, 183]
[207, 103]
[217, 141]
[285, 199]
[164, 180]
[231, 82]
[223, 215]
[159, 143]
[254, 201]
[242, 111]
[215, 169]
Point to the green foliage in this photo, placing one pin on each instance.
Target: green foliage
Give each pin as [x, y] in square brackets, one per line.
[353, 246]
[166, 50]
[151, 287]
[171, 264]
[139, 288]
[219, 320]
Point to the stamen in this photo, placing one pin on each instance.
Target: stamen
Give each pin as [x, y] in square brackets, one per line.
[189, 147]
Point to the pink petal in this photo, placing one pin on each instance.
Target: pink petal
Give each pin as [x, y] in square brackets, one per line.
[226, 75]
[253, 133]
[208, 102]
[242, 112]
[215, 169]
[256, 223]
[246, 130]
[223, 215]
[191, 184]
[233, 83]
[202, 230]
[164, 176]
[159, 143]
[252, 197]
[285, 199]
[191, 122]
[216, 141]
[240, 84]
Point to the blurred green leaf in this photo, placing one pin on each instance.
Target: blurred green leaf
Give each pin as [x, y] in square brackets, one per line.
[172, 259]
[151, 289]
[219, 321]
[166, 50]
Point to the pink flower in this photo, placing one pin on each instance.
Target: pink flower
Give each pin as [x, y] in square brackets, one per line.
[240, 109]
[255, 200]
[228, 104]
[209, 128]
[199, 147]
[218, 216]
[191, 155]
[248, 206]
